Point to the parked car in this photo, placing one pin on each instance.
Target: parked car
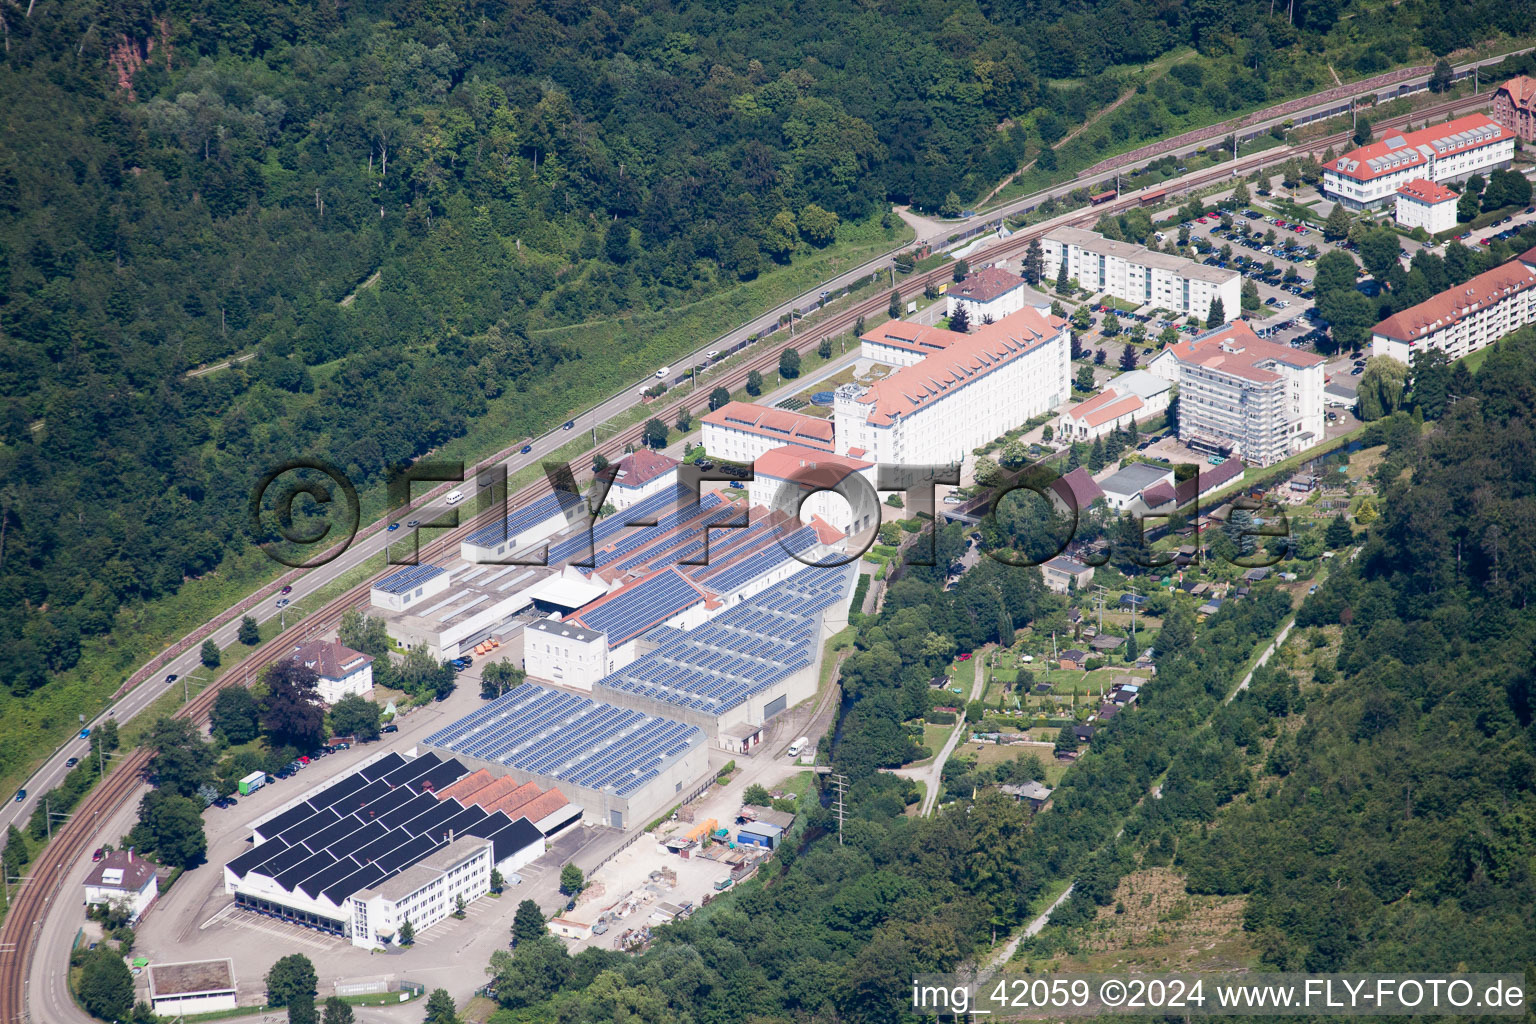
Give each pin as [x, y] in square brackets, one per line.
[737, 485]
[97, 855]
[391, 727]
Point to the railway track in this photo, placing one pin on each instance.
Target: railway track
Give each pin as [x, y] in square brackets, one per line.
[42, 887]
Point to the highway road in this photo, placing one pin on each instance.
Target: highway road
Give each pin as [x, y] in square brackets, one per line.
[108, 798]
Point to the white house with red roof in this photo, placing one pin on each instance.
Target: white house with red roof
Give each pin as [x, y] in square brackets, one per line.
[1427, 205]
[342, 671]
[639, 475]
[1465, 318]
[991, 292]
[1453, 151]
[1242, 396]
[1133, 396]
[954, 391]
[806, 483]
[121, 878]
[740, 431]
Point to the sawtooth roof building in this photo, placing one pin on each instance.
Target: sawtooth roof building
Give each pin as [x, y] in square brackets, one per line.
[1464, 318]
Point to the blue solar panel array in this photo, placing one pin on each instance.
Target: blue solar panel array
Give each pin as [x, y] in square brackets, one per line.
[562, 736]
[531, 515]
[632, 611]
[355, 833]
[606, 529]
[749, 647]
[407, 579]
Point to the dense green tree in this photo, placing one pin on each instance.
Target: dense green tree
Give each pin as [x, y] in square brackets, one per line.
[498, 677]
[528, 923]
[292, 713]
[1217, 314]
[1034, 263]
[235, 718]
[894, 307]
[754, 383]
[1336, 227]
[440, 1008]
[171, 827]
[718, 397]
[209, 654]
[824, 348]
[655, 433]
[291, 976]
[356, 715]
[684, 422]
[1431, 382]
[407, 935]
[1339, 534]
[531, 973]
[182, 761]
[1380, 251]
[249, 633]
[1110, 326]
[572, 880]
[1381, 387]
[1249, 296]
[789, 362]
[1084, 379]
[960, 321]
[301, 1010]
[338, 1011]
[1441, 78]
[818, 226]
[106, 987]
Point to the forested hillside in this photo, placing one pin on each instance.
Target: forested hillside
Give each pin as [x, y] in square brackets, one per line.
[182, 182]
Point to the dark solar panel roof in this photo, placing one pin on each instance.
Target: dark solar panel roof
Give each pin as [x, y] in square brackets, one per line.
[292, 876]
[360, 798]
[309, 826]
[384, 804]
[464, 819]
[383, 766]
[408, 854]
[427, 822]
[317, 883]
[323, 839]
[357, 840]
[339, 790]
[413, 769]
[362, 878]
[441, 777]
[285, 820]
[517, 836]
[255, 856]
[391, 840]
[488, 825]
[407, 579]
[283, 861]
[404, 813]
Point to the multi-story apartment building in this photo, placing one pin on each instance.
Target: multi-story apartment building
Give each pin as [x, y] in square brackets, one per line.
[1240, 395]
[990, 292]
[1427, 205]
[741, 431]
[1133, 273]
[1514, 107]
[1465, 318]
[804, 483]
[958, 390]
[1454, 151]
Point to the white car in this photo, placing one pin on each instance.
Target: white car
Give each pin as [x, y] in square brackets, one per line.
[661, 374]
[712, 353]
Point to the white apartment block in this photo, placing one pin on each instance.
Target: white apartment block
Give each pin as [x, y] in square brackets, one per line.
[1243, 396]
[1465, 318]
[1133, 273]
[566, 653]
[741, 431]
[1424, 204]
[806, 483]
[961, 391]
[1453, 151]
[424, 893]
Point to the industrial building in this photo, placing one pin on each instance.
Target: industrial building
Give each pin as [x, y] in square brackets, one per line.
[1240, 395]
[623, 766]
[380, 840]
[1464, 318]
[731, 675]
[1452, 151]
[536, 521]
[1133, 273]
[192, 987]
[953, 391]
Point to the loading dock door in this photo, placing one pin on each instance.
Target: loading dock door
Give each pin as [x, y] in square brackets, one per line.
[774, 706]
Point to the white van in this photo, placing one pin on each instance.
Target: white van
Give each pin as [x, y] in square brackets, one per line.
[661, 374]
[798, 745]
[455, 497]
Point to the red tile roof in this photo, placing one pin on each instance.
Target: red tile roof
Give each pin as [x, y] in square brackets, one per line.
[1522, 92]
[641, 467]
[329, 659]
[1077, 488]
[985, 285]
[1356, 163]
[810, 431]
[1105, 407]
[1158, 494]
[540, 807]
[466, 787]
[1210, 479]
[1486, 289]
[1427, 192]
[912, 337]
[970, 356]
[1235, 349]
[508, 804]
[815, 470]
